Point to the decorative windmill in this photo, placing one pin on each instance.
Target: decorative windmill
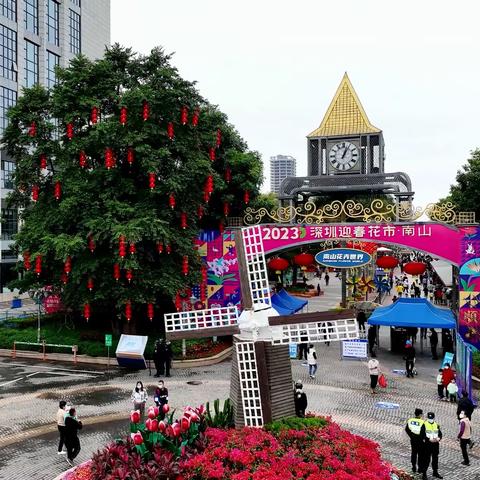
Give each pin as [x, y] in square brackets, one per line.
[261, 364]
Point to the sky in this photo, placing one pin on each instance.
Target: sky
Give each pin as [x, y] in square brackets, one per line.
[274, 66]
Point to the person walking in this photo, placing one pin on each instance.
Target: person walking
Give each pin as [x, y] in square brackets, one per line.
[409, 358]
[374, 371]
[72, 442]
[160, 397]
[431, 435]
[139, 398]
[452, 390]
[300, 399]
[464, 435]
[302, 349]
[372, 338]
[440, 387]
[361, 319]
[434, 343]
[312, 361]
[61, 426]
[447, 343]
[157, 359]
[327, 278]
[168, 358]
[465, 405]
[413, 429]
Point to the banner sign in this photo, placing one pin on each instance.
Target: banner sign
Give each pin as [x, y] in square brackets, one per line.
[292, 348]
[343, 258]
[448, 358]
[52, 304]
[355, 348]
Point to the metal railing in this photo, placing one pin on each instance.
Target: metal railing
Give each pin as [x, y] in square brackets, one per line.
[44, 345]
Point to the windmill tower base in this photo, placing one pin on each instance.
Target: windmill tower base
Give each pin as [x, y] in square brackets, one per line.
[261, 383]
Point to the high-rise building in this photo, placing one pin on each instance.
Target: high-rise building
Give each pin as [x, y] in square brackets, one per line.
[35, 37]
[281, 167]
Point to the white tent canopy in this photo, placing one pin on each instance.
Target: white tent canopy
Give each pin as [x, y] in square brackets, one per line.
[444, 271]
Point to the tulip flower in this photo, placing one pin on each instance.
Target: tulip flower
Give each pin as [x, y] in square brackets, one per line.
[151, 424]
[153, 412]
[135, 416]
[166, 408]
[137, 438]
[184, 424]
[162, 426]
[176, 429]
[201, 410]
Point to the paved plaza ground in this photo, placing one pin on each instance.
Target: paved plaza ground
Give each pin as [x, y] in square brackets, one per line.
[29, 393]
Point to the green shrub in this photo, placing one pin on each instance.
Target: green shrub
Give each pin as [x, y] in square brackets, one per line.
[295, 423]
[476, 358]
[221, 418]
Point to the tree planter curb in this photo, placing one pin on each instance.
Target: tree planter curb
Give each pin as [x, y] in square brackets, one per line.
[65, 474]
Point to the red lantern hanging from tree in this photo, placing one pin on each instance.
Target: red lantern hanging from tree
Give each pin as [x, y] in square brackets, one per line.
[218, 140]
[178, 302]
[221, 227]
[32, 130]
[109, 158]
[183, 220]
[129, 275]
[212, 154]
[246, 197]
[170, 131]
[67, 267]
[303, 260]
[185, 265]
[86, 311]
[43, 161]
[132, 248]
[387, 261]
[168, 248]
[122, 249]
[145, 110]
[26, 260]
[150, 311]
[278, 265]
[57, 191]
[226, 209]
[38, 265]
[209, 184]
[228, 175]
[151, 180]
[195, 117]
[414, 268]
[35, 192]
[91, 244]
[64, 278]
[160, 247]
[130, 156]
[184, 115]
[94, 115]
[82, 159]
[123, 116]
[69, 131]
[200, 212]
[171, 200]
[116, 271]
[90, 284]
[206, 196]
[128, 310]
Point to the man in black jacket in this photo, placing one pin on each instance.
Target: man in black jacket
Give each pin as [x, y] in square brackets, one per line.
[409, 358]
[465, 405]
[72, 442]
[434, 343]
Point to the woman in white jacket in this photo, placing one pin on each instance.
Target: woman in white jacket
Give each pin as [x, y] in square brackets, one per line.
[312, 361]
[139, 398]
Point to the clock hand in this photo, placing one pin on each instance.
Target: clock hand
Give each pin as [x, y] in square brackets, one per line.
[344, 152]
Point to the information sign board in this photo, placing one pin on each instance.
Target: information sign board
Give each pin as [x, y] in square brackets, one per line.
[108, 340]
[355, 348]
[292, 348]
[343, 258]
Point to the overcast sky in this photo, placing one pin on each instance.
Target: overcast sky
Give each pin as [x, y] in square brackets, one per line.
[274, 66]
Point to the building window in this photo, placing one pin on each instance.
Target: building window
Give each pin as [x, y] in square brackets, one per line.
[8, 53]
[8, 8]
[8, 99]
[7, 173]
[9, 223]
[77, 3]
[31, 64]
[52, 22]
[52, 62]
[31, 16]
[75, 38]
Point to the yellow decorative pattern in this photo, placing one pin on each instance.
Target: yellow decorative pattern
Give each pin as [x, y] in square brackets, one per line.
[345, 115]
[378, 211]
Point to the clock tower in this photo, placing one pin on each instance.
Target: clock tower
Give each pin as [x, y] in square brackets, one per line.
[345, 142]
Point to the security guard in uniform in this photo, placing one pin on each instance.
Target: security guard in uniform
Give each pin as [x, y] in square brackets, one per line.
[431, 435]
[413, 429]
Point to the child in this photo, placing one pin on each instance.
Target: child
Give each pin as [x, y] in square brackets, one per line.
[161, 397]
[452, 390]
[440, 383]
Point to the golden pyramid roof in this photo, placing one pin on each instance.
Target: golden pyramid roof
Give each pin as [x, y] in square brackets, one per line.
[345, 115]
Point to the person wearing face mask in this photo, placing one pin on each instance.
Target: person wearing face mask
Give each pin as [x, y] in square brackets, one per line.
[464, 435]
[413, 429]
[139, 398]
[431, 435]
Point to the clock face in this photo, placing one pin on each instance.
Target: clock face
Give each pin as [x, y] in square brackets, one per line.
[343, 156]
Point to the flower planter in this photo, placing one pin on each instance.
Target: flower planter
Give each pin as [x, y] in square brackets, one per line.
[70, 473]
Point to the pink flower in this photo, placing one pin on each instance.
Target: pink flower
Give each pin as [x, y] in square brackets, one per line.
[162, 426]
[151, 424]
[165, 408]
[137, 438]
[153, 412]
[135, 416]
[184, 424]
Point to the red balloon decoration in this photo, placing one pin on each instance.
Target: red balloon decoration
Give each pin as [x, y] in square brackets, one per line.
[145, 110]
[43, 161]
[212, 154]
[195, 117]
[246, 197]
[86, 311]
[387, 261]
[183, 220]
[171, 200]
[90, 284]
[57, 193]
[26, 260]
[150, 311]
[130, 156]
[38, 265]
[128, 310]
[82, 159]
[278, 264]
[35, 192]
[414, 268]
[69, 131]
[91, 244]
[116, 271]
[185, 265]
[123, 116]
[151, 180]
[67, 267]
[228, 175]
[218, 140]
[184, 115]
[109, 158]
[129, 275]
[32, 130]
[122, 248]
[94, 115]
[170, 131]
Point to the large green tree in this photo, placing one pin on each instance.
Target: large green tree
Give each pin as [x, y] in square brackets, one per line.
[121, 141]
[465, 194]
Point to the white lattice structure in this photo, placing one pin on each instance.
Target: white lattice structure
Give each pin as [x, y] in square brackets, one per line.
[257, 267]
[341, 329]
[249, 384]
[201, 319]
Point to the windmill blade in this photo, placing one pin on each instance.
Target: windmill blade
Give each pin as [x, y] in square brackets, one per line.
[249, 384]
[201, 323]
[325, 331]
